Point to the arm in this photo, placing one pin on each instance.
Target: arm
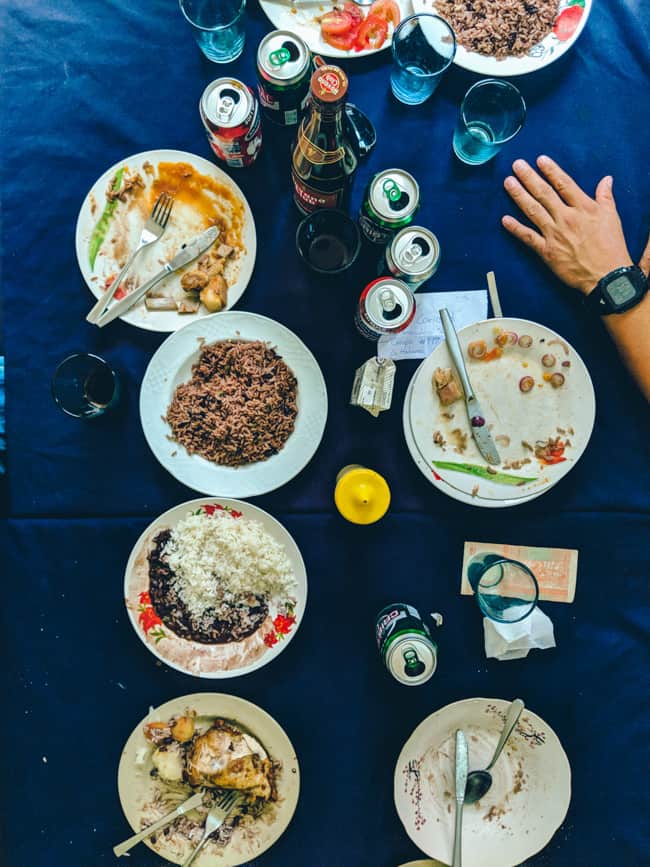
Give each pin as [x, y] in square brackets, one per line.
[581, 240]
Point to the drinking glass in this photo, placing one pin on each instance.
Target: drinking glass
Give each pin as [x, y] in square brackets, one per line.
[492, 113]
[218, 27]
[506, 590]
[85, 386]
[328, 241]
[423, 47]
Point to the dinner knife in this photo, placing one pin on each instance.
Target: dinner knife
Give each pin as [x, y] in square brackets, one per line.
[477, 420]
[185, 255]
[194, 801]
[462, 765]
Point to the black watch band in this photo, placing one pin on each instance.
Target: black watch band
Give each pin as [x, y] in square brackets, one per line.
[618, 291]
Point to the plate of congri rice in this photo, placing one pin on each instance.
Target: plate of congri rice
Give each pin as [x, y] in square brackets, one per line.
[215, 587]
[510, 37]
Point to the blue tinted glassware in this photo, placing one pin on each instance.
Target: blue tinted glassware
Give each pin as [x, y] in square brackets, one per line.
[506, 590]
[218, 27]
[423, 48]
[85, 386]
[492, 113]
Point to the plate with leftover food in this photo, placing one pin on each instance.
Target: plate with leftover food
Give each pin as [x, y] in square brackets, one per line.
[115, 210]
[517, 817]
[510, 37]
[233, 405]
[213, 743]
[538, 402]
[215, 588]
[340, 29]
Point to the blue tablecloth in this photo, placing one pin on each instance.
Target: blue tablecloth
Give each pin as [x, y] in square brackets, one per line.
[86, 84]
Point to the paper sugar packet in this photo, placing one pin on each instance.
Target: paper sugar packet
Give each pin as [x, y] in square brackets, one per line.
[554, 568]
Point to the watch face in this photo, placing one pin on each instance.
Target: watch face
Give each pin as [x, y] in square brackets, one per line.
[621, 290]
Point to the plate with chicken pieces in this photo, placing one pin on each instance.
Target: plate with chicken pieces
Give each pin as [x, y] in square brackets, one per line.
[209, 743]
[114, 212]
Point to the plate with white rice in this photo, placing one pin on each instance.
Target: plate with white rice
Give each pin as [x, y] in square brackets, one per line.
[510, 37]
[215, 587]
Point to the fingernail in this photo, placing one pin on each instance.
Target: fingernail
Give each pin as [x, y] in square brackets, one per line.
[519, 164]
[509, 182]
[543, 159]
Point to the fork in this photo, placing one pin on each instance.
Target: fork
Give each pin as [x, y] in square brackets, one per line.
[152, 231]
[214, 820]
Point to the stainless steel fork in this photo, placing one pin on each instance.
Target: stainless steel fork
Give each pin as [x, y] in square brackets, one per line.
[214, 820]
[152, 231]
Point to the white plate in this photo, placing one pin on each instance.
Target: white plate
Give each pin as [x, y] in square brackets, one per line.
[287, 16]
[184, 224]
[427, 471]
[136, 786]
[548, 50]
[522, 417]
[172, 364]
[192, 657]
[525, 806]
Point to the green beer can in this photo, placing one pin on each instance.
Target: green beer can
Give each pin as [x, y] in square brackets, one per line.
[390, 203]
[405, 643]
[283, 73]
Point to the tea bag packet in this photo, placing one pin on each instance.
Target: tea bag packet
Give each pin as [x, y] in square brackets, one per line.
[372, 388]
[514, 640]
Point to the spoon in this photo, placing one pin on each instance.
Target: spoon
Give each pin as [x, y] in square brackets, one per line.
[478, 782]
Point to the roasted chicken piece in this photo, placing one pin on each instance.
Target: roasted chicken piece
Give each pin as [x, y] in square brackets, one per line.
[193, 280]
[223, 758]
[215, 295]
[446, 386]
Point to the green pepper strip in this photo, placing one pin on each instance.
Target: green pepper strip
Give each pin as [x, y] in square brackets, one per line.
[483, 473]
[101, 229]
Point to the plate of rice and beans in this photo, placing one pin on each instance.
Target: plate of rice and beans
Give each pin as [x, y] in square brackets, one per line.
[510, 37]
[233, 405]
[215, 588]
[115, 210]
[211, 743]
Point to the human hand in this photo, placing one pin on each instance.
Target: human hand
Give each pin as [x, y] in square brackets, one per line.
[580, 239]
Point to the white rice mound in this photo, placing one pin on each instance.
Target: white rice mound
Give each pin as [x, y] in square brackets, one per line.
[216, 555]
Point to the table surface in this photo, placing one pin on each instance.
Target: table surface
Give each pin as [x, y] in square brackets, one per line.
[87, 84]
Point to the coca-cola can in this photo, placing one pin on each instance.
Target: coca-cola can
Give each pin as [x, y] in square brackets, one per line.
[231, 116]
[386, 306]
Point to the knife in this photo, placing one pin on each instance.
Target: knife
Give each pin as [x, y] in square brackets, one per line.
[478, 423]
[462, 764]
[185, 255]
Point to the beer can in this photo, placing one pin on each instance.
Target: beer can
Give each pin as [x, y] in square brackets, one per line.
[386, 306]
[404, 641]
[283, 75]
[391, 199]
[412, 256]
[231, 117]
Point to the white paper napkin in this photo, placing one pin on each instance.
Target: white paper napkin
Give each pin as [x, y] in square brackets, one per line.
[514, 640]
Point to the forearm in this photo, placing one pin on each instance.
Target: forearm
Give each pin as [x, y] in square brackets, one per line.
[630, 332]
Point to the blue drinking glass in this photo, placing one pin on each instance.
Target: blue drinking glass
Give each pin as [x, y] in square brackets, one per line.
[423, 48]
[506, 590]
[218, 27]
[492, 113]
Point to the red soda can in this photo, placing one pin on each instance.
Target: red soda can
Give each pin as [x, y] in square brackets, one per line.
[386, 306]
[231, 116]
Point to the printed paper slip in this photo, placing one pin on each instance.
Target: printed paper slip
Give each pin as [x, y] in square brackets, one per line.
[425, 332]
[554, 568]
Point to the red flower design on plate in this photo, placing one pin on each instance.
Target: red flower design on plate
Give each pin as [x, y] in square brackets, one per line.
[283, 623]
[148, 618]
[270, 639]
[217, 507]
[567, 22]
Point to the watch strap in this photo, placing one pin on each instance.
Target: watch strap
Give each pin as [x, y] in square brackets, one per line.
[600, 303]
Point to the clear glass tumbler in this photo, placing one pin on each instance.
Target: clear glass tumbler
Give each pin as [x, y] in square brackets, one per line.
[492, 113]
[85, 386]
[423, 48]
[506, 590]
[218, 27]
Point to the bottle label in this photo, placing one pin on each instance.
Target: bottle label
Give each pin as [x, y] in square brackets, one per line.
[374, 233]
[310, 199]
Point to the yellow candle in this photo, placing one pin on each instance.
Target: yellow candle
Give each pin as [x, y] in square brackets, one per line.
[361, 495]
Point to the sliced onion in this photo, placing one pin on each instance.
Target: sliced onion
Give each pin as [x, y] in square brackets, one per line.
[506, 338]
[477, 349]
[525, 341]
[548, 360]
[557, 380]
[526, 383]
[557, 341]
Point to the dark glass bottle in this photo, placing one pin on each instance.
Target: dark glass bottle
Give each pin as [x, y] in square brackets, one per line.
[323, 159]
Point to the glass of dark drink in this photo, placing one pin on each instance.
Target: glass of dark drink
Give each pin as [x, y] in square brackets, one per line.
[328, 241]
[85, 386]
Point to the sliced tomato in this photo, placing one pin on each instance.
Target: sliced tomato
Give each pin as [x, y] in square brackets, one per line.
[335, 23]
[355, 12]
[372, 33]
[386, 9]
[342, 41]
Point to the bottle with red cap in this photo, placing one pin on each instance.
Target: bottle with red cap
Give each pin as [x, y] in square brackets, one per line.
[323, 160]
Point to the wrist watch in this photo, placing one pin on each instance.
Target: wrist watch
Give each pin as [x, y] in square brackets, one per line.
[618, 291]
